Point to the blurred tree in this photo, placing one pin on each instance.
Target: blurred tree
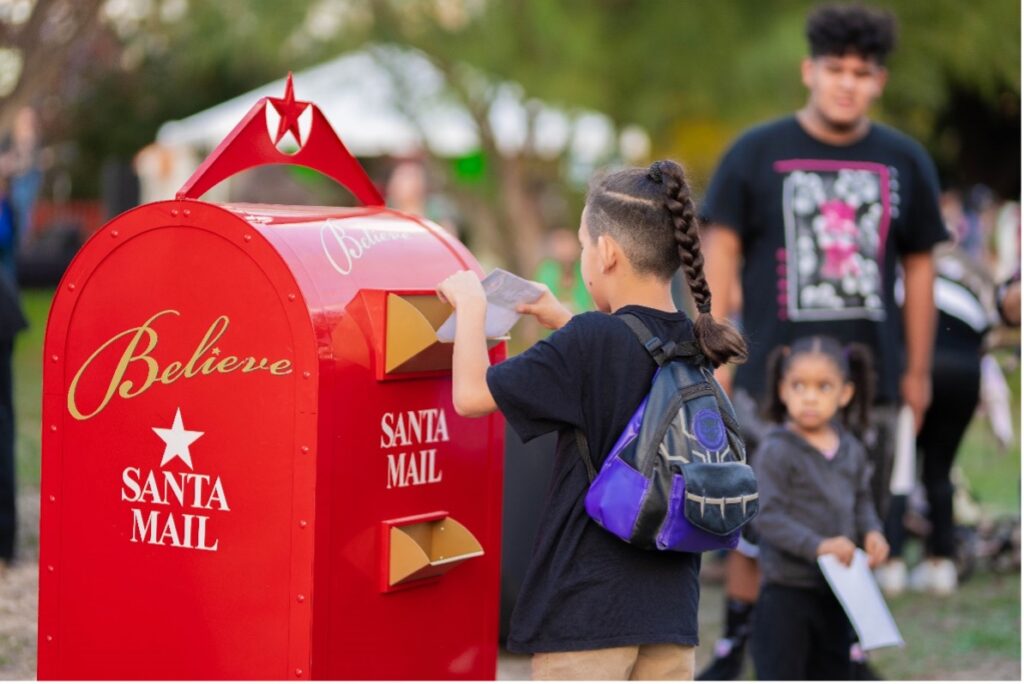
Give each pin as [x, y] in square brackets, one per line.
[37, 40]
[129, 65]
[693, 74]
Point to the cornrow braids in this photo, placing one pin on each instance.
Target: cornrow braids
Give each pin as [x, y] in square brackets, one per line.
[720, 342]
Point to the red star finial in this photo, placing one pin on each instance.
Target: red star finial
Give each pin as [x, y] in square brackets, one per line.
[290, 109]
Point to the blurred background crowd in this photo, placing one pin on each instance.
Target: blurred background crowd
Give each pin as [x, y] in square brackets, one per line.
[489, 117]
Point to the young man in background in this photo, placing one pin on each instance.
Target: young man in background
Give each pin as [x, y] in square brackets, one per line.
[811, 216]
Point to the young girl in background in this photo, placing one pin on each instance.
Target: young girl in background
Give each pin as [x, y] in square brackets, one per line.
[814, 482]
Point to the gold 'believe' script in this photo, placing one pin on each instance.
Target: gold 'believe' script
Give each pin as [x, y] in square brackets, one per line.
[143, 340]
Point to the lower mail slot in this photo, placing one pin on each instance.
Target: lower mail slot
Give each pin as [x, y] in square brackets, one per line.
[424, 547]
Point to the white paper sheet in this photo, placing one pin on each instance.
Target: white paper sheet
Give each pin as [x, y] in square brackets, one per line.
[904, 467]
[505, 291]
[857, 591]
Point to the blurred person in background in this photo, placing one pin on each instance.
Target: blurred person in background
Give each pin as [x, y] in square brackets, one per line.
[811, 215]
[21, 162]
[964, 297]
[12, 320]
[1006, 242]
[560, 271]
[408, 191]
[8, 233]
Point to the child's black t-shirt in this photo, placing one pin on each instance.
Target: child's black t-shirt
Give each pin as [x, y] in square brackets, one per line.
[586, 588]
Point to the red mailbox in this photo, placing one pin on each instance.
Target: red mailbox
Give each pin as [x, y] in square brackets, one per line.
[251, 464]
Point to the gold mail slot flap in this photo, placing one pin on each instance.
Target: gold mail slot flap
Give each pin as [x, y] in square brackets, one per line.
[411, 343]
[429, 549]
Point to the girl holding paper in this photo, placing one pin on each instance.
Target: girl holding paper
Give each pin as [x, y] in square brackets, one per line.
[814, 481]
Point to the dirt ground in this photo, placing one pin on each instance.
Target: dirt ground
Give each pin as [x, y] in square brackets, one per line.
[19, 596]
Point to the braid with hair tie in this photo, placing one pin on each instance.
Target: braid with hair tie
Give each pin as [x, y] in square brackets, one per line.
[684, 220]
[719, 342]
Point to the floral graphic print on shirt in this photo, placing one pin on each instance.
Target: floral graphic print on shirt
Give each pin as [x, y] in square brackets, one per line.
[837, 218]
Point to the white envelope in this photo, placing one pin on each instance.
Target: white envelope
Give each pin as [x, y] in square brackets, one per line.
[505, 291]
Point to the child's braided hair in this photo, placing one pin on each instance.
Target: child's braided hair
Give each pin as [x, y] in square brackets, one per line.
[651, 214]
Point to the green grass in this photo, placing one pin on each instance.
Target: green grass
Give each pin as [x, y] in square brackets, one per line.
[28, 379]
[974, 632]
[994, 473]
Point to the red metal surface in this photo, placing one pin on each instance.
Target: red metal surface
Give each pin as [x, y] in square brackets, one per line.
[289, 480]
[250, 145]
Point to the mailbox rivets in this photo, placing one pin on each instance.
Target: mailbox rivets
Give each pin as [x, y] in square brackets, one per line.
[49, 568]
[247, 237]
[174, 212]
[302, 524]
[305, 374]
[305, 450]
[55, 358]
[52, 498]
[53, 428]
[301, 598]
[114, 233]
[71, 286]
[291, 297]
[186, 212]
[298, 672]
[49, 637]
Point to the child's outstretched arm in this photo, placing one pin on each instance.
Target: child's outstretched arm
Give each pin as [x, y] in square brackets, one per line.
[470, 394]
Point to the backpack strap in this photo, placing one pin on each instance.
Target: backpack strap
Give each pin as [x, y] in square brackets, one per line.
[584, 449]
[663, 352]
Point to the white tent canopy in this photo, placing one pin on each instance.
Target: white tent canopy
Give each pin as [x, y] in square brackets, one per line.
[387, 100]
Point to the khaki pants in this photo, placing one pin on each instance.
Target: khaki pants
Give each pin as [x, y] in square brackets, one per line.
[646, 662]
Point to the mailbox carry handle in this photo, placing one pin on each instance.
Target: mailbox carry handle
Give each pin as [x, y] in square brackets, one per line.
[250, 145]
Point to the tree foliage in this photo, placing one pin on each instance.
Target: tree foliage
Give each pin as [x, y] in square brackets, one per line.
[692, 73]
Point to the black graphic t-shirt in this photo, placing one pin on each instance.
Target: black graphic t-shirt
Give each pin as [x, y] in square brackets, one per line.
[823, 228]
[585, 588]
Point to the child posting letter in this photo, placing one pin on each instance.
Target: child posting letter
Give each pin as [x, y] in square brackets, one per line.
[591, 605]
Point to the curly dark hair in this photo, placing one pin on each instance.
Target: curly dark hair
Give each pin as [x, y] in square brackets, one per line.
[838, 29]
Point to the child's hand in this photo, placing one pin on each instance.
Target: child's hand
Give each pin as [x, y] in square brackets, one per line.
[841, 547]
[549, 312]
[876, 547]
[462, 288]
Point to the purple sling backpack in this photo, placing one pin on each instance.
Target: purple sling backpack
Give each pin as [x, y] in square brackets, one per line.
[677, 478]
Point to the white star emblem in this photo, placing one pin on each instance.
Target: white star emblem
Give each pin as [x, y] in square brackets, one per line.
[177, 440]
